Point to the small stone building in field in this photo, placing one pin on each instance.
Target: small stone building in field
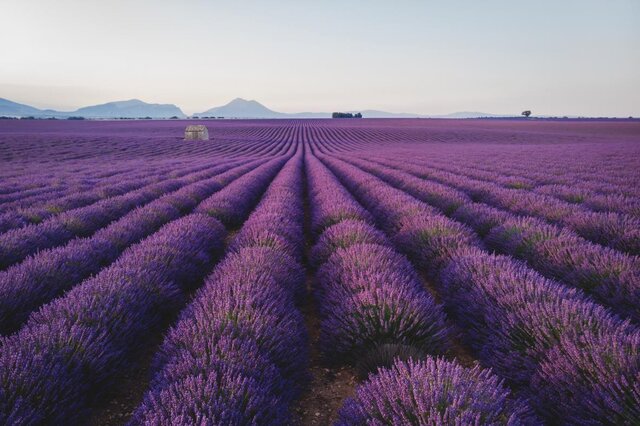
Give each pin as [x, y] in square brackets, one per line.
[196, 133]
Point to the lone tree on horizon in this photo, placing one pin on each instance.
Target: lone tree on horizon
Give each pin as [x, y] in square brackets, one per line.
[526, 113]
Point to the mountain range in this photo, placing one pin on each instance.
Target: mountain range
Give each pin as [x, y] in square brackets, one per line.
[237, 108]
[241, 108]
[133, 108]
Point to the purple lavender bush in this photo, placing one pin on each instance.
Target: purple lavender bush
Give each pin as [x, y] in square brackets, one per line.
[612, 277]
[480, 217]
[591, 379]
[370, 295]
[342, 235]
[444, 198]
[63, 358]
[434, 392]
[330, 202]
[511, 315]
[433, 240]
[232, 204]
[39, 278]
[238, 353]
[17, 244]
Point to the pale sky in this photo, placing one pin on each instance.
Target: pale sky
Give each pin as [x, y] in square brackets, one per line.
[564, 57]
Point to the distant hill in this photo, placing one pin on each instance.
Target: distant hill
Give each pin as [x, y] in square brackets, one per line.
[237, 108]
[133, 108]
[130, 109]
[241, 108]
[13, 109]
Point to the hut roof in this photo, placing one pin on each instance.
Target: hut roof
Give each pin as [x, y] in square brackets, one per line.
[195, 128]
[196, 132]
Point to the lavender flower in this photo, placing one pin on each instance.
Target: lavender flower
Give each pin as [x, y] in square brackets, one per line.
[434, 391]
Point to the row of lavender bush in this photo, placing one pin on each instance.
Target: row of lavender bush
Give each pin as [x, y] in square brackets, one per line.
[58, 194]
[368, 294]
[40, 278]
[238, 354]
[612, 277]
[569, 186]
[579, 363]
[585, 186]
[375, 313]
[84, 337]
[17, 244]
[596, 196]
[616, 230]
[38, 212]
[70, 348]
[577, 194]
[60, 184]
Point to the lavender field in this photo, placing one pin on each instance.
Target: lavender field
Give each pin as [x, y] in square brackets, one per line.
[350, 272]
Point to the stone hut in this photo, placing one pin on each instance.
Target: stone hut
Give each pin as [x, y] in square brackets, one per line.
[196, 133]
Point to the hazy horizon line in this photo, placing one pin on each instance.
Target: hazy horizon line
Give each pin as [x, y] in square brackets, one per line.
[193, 111]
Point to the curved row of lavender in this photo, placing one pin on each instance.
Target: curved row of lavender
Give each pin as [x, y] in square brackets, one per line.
[43, 147]
[69, 350]
[50, 204]
[238, 353]
[65, 193]
[30, 190]
[80, 348]
[17, 244]
[47, 274]
[375, 312]
[620, 231]
[67, 179]
[576, 187]
[576, 360]
[40, 167]
[368, 295]
[577, 183]
[611, 276]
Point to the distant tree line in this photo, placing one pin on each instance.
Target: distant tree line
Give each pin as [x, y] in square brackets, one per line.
[346, 115]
